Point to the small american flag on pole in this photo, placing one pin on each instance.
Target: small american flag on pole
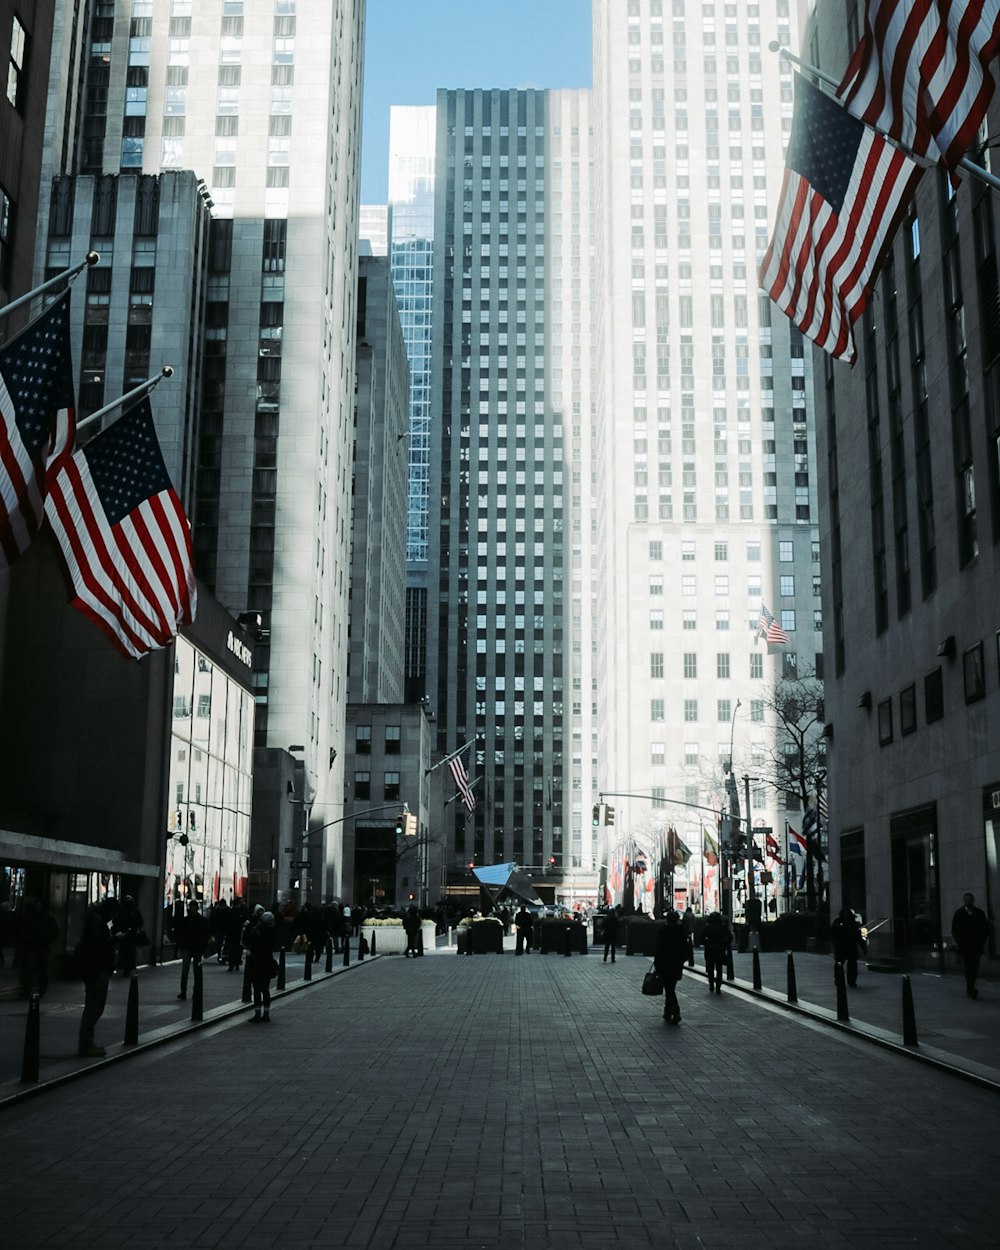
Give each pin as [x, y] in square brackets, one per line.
[123, 536]
[37, 421]
[769, 629]
[921, 74]
[459, 766]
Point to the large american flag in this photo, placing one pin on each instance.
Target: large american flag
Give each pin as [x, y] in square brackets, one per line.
[459, 766]
[123, 536]
[921, 73]
[768, 628]
[37, 422]
[845, 190]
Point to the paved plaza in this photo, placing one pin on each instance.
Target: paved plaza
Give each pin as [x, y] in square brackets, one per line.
[494, 1101]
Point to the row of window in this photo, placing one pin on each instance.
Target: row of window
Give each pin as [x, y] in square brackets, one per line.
[974, 688]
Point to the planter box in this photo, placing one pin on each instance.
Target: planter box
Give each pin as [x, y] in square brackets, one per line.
[554, 934]
[485, 939]
[391, 939]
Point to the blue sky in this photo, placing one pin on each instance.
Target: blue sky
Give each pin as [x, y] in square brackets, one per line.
[412, 47]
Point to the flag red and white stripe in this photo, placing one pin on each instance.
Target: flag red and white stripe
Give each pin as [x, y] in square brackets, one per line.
[459, 768]
[123, 536]
[37, 423]
[921, 73]
[769, 629]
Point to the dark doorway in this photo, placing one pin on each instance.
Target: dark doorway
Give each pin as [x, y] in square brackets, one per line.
[375, 866]
[916, 905]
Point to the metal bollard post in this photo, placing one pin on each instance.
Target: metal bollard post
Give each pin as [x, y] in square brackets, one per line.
[347, 950]
[329, 956]
[420, 941]
[197, 994]
[32, 1041]
[281, 970]
[909, 1017]
[841, 984]
[132, 1011]
[247, 994]
[730, 970]
[793, 993]
[373, 947]
[307, 971]
[756, 971]
[362, 943]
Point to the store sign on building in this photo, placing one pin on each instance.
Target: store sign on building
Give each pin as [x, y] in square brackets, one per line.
[239, 649]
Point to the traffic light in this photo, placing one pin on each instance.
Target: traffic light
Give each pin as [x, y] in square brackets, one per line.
[472, 864]
[400, 824]
[609, 814]
[596, 818]
[410, 826]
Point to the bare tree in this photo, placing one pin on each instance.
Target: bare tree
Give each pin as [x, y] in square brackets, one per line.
[796, 764]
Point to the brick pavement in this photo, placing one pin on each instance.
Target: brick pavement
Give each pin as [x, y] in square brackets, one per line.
[501, 1102]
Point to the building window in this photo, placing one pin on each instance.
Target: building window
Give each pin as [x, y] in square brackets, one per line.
[15, 69]
[691, 710]
[787, 585]
[933, 696]
[907, 710]
[722, 664]
[657, 710]
[656, 664]
[785, 552]
[690, 664]
[691, 754]
[656, 618]
[756, 666]
[757, 710]
[885, 722]
[390, 787]
[392, 739]
[975, 676]
[362, 785]
[363, 740]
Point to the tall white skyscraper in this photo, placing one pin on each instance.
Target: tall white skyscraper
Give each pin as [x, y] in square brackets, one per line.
[705, 439]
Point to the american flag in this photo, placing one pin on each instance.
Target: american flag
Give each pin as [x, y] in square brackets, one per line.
[37, 423]
[459, 765]
[769, 628]
[921, 73]
[124, 537]
[845, 190]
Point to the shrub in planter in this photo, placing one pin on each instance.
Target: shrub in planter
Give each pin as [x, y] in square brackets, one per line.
[484, 934]
[552, 936]
[640, 935]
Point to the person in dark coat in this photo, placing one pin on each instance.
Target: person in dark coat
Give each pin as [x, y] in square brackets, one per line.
[411, 927]
[845, 933]
[718, 942]
[95, 953]
[192, 933]
[669, 958]
[260, 960]
[612, 932]
[218, 923]
[234, 936]
[970, 929]
[129, 931]
[524, 925]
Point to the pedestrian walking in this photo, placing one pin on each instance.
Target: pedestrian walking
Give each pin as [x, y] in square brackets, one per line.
[718, 944]
[970, 929]
[95, 953]
[524, 925]
[845, 933]
[234, 936]
[218, 923]
[612, 932]
[669, 958]
[38, 931]
[192, 933]
[262, 965]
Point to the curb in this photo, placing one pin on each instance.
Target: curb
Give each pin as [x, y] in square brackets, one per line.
[169, 1033]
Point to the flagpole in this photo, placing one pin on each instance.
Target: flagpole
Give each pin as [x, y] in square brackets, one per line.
[136, 393]
[67, 275]
[970, 167]
[448, 758]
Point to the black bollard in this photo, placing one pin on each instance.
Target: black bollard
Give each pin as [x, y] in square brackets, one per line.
[909, 1017]
[841, 984]
[793, 993]
[32, 1041]
[132, 1011]
[307, 971]
[374, 948]
[420, 941]
[362, 943]
[468, 940]
[730, 970]
[197, 994]
[281, 970]
[247, 995]
[329, 956]
[347, 951]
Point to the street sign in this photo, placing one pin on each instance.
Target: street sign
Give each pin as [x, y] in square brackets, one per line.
[300, 863]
